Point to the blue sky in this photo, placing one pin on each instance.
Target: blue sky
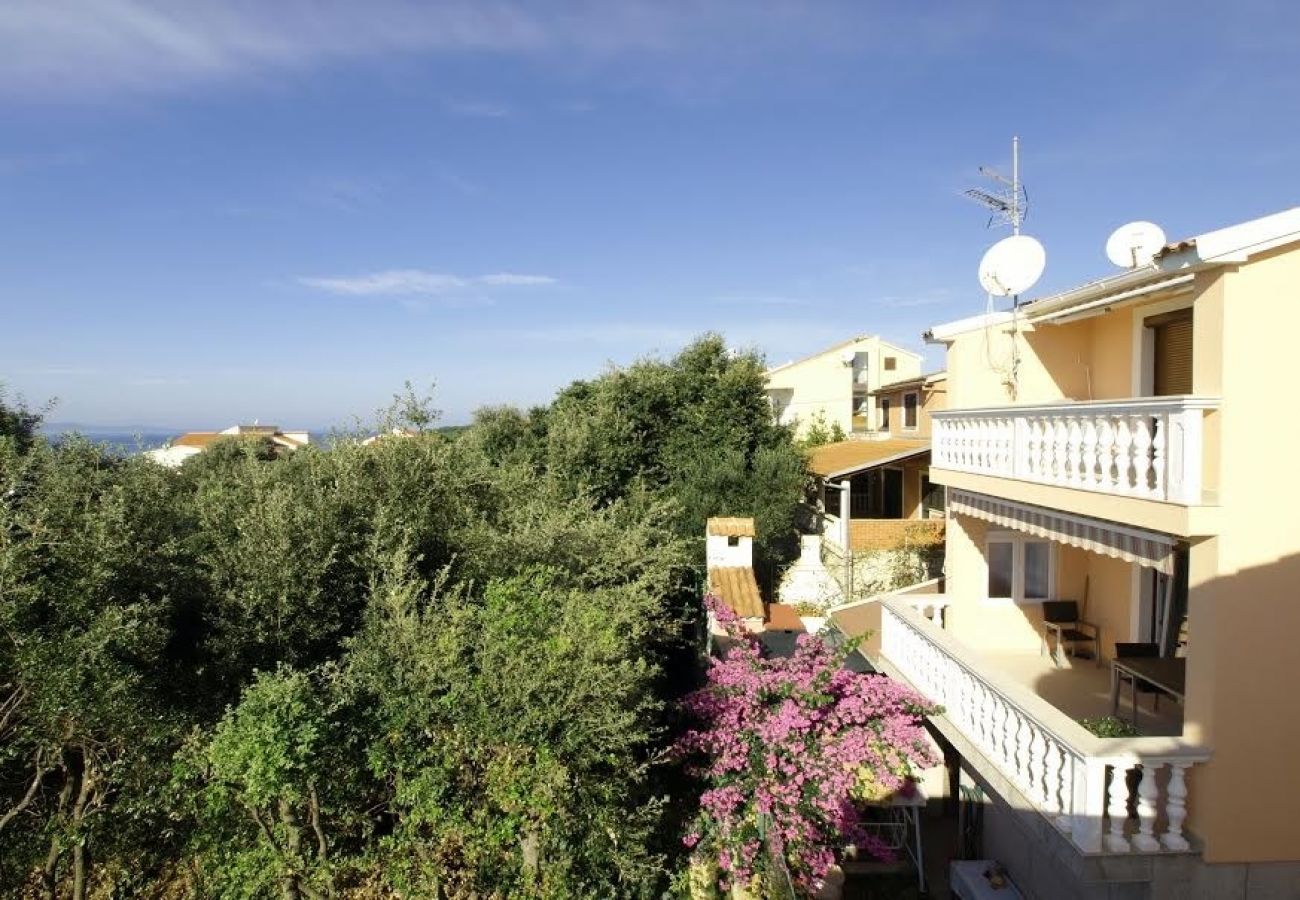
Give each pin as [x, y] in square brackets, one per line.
[230, 211]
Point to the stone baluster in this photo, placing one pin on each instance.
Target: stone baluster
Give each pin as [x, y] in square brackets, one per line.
[1069, 770]
[1052, 779]
[1061, 452]
[1159, 463]
[998, 735]
[1141, 454]
[1038, 787]
[1047, 460]
[1105, 454]
[1074, 458]
[1123, 456]
[1117, 810]
[1034, 464]
[1090, 452]
[1024, 737]
[1175, 808]
[1147, 796]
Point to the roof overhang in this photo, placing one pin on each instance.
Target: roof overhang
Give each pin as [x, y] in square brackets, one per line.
[1172, 269]
[873, 464]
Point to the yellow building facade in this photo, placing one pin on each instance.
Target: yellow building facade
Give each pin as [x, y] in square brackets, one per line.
[1113, 446]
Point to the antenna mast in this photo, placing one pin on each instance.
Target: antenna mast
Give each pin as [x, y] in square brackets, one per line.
[1008, 202]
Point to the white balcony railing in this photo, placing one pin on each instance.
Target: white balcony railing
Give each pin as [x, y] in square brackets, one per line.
[1106, 795]
[1150, 447]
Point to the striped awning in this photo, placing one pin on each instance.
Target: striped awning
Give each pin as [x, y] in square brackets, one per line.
[1146, 548]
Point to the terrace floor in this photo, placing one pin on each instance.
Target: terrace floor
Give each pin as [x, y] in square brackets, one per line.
[1081, 689]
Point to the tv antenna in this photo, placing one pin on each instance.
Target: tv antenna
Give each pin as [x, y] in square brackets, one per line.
[1007, 201]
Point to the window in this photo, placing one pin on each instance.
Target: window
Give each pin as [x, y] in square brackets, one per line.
[932, 498]
[884, 413]
[1020, 568]
[909, 411]
[1173, 352]
[733, 540]
[891, 363]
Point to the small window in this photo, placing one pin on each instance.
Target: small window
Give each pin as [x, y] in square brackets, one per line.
[891, 363]
[932, 498]
[909, 410]
[733, 540]
[1020, 568]
[1002, 579]
[884, 413]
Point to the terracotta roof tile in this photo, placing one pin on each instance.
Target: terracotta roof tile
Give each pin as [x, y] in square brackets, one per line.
[725, 526]
[197, 438]
[738, 588]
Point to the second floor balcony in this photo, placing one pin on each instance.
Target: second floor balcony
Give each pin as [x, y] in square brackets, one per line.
[1149, 448]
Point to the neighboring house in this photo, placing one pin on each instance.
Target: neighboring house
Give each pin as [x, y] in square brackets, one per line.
[192, 443]
[872, 496]
[834, 386]
[1114, 445]
[729, 556]
[903, 407]
[391, 433]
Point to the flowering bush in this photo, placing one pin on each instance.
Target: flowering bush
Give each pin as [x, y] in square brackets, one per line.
[785, 747]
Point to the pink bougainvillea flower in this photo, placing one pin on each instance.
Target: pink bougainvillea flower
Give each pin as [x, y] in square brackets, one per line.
[785, 745]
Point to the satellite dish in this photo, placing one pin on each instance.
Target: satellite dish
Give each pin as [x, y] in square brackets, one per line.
[1012, 265]
[847, 357]
[1134, 244]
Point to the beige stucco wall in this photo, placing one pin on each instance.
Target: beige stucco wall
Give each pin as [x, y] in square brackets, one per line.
[824, 384]
[1244, 594]
[931, 399]
[1245, 585]
[1000, 626]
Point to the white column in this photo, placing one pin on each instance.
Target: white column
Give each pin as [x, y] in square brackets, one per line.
[1176, 808]
[1147, 795]
[1117, 809]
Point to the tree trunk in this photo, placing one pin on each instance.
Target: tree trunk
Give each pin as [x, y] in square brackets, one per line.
[13, 811]
[293, 835]
[49, 874]
[80, 856]
[322, 847]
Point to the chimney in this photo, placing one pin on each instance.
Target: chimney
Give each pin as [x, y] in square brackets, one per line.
[729, 543]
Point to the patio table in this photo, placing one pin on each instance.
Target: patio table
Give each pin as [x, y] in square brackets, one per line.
[1169, 675]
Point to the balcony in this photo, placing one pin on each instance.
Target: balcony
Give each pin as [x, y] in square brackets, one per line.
[1104, 795]
[1150, 448]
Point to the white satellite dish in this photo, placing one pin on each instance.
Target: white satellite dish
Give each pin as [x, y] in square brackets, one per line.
[848, 356]
[1134, 244]
[1012, 265]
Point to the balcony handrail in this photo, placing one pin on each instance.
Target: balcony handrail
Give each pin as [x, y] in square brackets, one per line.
[1172, 401]
[1146, 447]
[1043, 714]
[1107, 795]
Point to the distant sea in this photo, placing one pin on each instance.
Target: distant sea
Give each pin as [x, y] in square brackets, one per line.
[119, 443]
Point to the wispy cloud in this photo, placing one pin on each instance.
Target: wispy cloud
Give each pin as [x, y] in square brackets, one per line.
[61, 370]
[419, 282]
[16, 164]
[761, 300]
[71, 48]
[157, 381]
[346, 192]
[909, 301]
[478, 109]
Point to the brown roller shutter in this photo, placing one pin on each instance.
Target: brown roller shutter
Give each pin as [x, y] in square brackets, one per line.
[1173, 369]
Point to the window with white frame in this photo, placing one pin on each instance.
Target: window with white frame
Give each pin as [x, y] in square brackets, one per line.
[1021, 568]
[909, 411]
